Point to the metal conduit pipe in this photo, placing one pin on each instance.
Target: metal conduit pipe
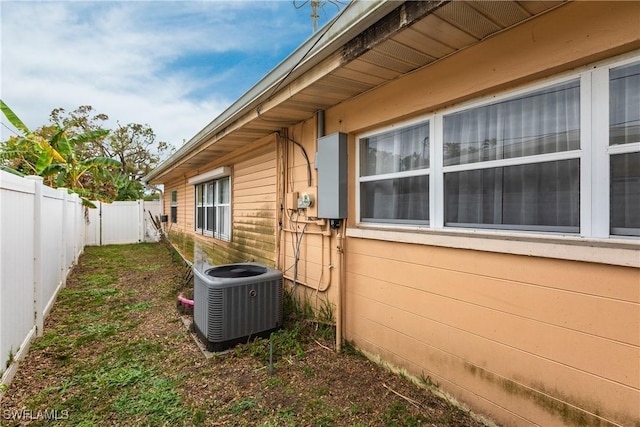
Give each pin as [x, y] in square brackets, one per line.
[323, 232]
[340, 285]
[330, 267]
[310, 286]
[320, 122]
[320, 222]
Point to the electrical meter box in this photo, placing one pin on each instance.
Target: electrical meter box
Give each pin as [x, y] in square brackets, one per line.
[331, 162]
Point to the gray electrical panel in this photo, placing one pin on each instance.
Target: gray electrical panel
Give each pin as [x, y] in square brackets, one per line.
[331, 162]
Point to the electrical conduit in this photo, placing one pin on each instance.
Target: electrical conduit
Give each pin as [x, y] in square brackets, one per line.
[339, 285]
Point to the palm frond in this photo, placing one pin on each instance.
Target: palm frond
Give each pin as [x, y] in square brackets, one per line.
[13, 119]
[88, 136]
[45, 146]
[10, 170]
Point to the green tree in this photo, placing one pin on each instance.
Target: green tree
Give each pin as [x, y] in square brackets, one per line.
[50, 153]
[134, 145]
[18, 156]
[82, 119]
[136, 148]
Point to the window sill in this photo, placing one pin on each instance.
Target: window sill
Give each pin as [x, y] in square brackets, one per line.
[210, 235]
[615, 251]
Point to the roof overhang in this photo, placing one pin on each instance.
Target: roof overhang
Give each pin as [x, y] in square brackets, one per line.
[366, 46]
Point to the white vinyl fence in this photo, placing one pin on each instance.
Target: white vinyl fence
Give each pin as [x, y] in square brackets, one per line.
[122, 222]
[43, 231]
[41, 236]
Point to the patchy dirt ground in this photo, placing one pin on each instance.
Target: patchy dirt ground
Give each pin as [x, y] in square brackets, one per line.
[115, 352]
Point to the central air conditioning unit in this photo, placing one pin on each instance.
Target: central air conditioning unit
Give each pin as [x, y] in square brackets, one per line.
[235, 302]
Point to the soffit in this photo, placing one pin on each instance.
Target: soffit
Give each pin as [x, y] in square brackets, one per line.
[448, 28]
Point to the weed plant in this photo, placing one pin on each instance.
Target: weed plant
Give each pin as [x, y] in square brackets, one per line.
[114, 352]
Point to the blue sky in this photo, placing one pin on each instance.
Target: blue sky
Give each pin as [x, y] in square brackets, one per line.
[174, 65]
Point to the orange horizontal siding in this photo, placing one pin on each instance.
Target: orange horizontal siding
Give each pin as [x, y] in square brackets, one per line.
[503, 324]
[254, 203]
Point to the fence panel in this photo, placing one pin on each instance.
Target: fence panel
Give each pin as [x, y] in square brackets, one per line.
[17, 202]
[70, 214]
[80, 234]
[43, 231]
[122, 223]
[52, 244]
[92, 226]
[41, 237]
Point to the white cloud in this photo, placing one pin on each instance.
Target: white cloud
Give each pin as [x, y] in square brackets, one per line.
[173, 65]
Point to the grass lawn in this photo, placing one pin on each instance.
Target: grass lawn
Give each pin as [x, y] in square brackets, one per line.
[115, 352]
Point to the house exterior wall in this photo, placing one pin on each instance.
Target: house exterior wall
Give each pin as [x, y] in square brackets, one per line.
[308, 246]
[180, 233]
[253, 210]
[524, 339]
[521, 339]
[527, 329]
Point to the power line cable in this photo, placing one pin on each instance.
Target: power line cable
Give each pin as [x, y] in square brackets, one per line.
[10, 130]
[304, 153]
[315, 43]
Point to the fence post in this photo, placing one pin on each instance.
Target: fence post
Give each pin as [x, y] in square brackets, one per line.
[38, 304]
[77, 228]
[141, 230]
[100, 224]
[74, 235]
[82, 224]
[63, 253]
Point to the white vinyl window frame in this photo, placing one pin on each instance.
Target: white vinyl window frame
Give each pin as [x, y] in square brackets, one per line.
[594, 167]
[214, 217]
[222, 209]
[395, 175]
[503, 163]
[600, 207]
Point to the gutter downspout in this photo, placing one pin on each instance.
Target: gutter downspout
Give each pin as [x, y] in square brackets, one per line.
[340, 286]
[281, 181]
[320, 120]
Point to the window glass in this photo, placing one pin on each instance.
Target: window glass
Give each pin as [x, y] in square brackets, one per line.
[624, 128]
[223, 209]
[200, 217]
[398, 150]
[199, 194]
[223, 192]
[540, 122]
[625, 194]
[174, 206]
[200, 210]
[210, 210]
[395, 199]
[624, 104]
[224, 222]
[209, 195]
[530, 197]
